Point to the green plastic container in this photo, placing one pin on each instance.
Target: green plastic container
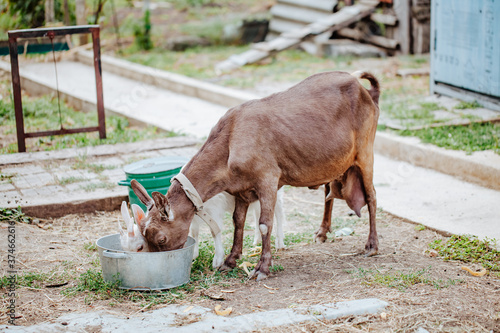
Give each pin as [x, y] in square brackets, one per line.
[153, 173]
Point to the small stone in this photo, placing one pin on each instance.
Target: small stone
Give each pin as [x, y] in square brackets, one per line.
[433, 253]
[64, 323]
[383, 316]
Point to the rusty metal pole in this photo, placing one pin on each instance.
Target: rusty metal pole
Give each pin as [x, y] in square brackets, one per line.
[98, 82]
[16, 90]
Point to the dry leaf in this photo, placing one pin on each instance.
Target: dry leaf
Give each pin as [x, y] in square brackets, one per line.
[481, 273]
[214, 297]
[222, 313]
[270, 288]
[245, 266]
[189, 308]
[227, 291]
[256, 251]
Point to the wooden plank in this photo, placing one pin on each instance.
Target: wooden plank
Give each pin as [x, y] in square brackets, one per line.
[297, 14]
[322, 5]
[402, 33]
[377, 40]
[342, 18]
[384, 19]
[280, 26]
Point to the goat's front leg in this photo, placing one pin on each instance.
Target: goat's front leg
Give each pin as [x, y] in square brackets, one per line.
[267, 203]
[194, 231]
[239, 216]
[326, 224]
[219, 251]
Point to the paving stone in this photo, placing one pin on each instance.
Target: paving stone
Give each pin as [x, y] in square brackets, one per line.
[39, 179]
[51, 190]
[4, 187]
[111, 161]
[9, 198]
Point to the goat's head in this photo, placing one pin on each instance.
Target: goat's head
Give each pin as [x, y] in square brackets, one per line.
[162, 230]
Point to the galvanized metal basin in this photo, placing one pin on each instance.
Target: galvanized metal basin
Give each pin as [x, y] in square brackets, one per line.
[144, 270]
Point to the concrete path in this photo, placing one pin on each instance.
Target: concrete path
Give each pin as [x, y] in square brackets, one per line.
[133, 99]
[167, 319]
[436, 200]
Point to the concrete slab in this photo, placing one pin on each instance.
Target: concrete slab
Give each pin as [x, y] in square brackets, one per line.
[438, 201]
[143, 102]
[166, 318]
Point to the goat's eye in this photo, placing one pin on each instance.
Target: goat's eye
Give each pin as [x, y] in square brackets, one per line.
[162, 240]
[140, 248]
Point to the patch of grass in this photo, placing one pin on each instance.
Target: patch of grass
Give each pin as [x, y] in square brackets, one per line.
[68, 180]
[90, 246]
[6, 177]
[470, 138]
[95, 186]
[81, 163]
[92, 283]
[276, 268]
[298, 238]
[14, 214]
[401, 280]
[430, 106]
[41, 114]
[420, 227]
[468, 248]
[468, 105]
[37, 280]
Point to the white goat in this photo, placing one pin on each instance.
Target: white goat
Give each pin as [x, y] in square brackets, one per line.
[132, 240]
[217, 207]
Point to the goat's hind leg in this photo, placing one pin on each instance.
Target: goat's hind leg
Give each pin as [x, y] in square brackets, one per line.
[239, 216]
[326, 224]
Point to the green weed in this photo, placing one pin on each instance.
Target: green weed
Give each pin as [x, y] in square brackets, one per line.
[14, 214]
[41, 114]
[298, 238]
[90, 247]
[470, 138]
[468, 248]
[401, 280]
[6, 177]
[276, 268]
[95, 186]
[68, 180]
[420, 227]
[468, 105]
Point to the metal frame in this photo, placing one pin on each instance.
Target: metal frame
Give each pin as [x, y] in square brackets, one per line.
[16, 80]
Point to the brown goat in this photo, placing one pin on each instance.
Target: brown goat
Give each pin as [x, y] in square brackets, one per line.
[320, 131]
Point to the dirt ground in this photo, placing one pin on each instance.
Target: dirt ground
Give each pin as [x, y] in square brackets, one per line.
[444, 298]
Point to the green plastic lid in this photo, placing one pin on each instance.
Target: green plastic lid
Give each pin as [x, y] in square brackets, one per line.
[155, 165]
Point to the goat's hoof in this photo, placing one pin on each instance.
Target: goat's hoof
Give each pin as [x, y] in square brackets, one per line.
[320, 235]
[371, 252]
[320, 238]
[280, 246]
[258, 275]
[225, 268]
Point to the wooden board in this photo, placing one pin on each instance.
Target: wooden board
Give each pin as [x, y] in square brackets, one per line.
[343, 18]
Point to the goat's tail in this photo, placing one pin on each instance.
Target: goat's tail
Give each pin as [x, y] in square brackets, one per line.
[375, 89]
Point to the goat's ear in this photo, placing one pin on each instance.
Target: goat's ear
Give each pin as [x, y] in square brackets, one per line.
[139, 214]
[141, 193]
[161, 202]
[159, 199]
[122, 232]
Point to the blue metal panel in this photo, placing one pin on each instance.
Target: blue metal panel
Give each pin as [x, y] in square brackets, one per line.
[465, 50]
